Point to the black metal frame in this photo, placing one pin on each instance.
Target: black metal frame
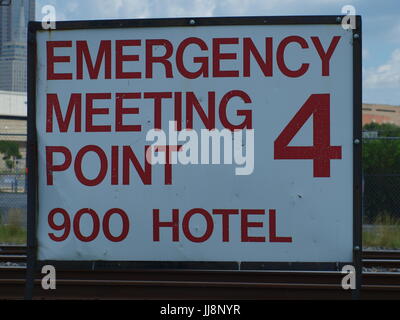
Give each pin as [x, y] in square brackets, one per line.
[5, 3]
[33, 264]
[357, 154]
[4, 117]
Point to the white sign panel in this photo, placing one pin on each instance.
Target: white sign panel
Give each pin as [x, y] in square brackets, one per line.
[196, 143]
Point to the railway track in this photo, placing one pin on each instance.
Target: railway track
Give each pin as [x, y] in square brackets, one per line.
[201, 284]
[12, 253]
[178, 284]
[371, 258]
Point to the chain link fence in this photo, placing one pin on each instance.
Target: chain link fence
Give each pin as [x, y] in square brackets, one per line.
[381, 178]
[13, 180]
[381, 197]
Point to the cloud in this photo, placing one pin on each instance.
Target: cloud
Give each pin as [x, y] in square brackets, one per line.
[381, 26]
[394, 34]
[386, 75]
[365, 53]
[117, 9]
[131, 9]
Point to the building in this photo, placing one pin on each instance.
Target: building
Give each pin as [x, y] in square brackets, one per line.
[13, 123]
[380, 113]
[14, 20]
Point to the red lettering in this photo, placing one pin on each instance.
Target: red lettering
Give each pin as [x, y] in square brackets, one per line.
[225, 213]
[168, 165]
[65, 225]
[125, 224]
[78, 165]
[104, 53]
[52, 59]
[96, 225]
[203, 61]
[209, 223]
[218, 56]
[120, 111]
[120, 58]
[272, 229]
[157, 96]
[247, 122]
[250, 48]
[245, 224]
[280, 56]
[325, 56]
[114, 165]
[191, 101]
[51, 167]
[129, 156]
[317, 106]
[178, 110]
[150, 59]
[53, 104]
[174, 224]
[90, 111]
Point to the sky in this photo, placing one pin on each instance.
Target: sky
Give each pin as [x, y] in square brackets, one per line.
[380, 26]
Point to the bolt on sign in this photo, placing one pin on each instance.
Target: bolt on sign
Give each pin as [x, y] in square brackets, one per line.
[220, 140]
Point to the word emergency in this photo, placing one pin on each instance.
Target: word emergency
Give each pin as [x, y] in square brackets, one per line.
[113, 57]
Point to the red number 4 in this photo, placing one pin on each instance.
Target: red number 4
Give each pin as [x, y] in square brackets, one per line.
[321, 152]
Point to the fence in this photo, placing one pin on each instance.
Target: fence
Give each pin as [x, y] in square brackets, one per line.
[381, 178]
[13, 182]
[381, 197]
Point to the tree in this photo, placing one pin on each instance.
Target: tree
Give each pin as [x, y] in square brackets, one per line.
[10, 151]
[381, 167]
[384, 129]
[382, 156]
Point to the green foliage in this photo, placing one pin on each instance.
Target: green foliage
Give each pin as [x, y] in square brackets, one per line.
[384, 130]
[382, 156]
[381, 167]
[384, 233]
[12, 234]
[10, 151]
[13, 231]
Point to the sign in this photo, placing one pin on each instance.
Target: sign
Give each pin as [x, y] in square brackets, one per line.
[192, 140]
